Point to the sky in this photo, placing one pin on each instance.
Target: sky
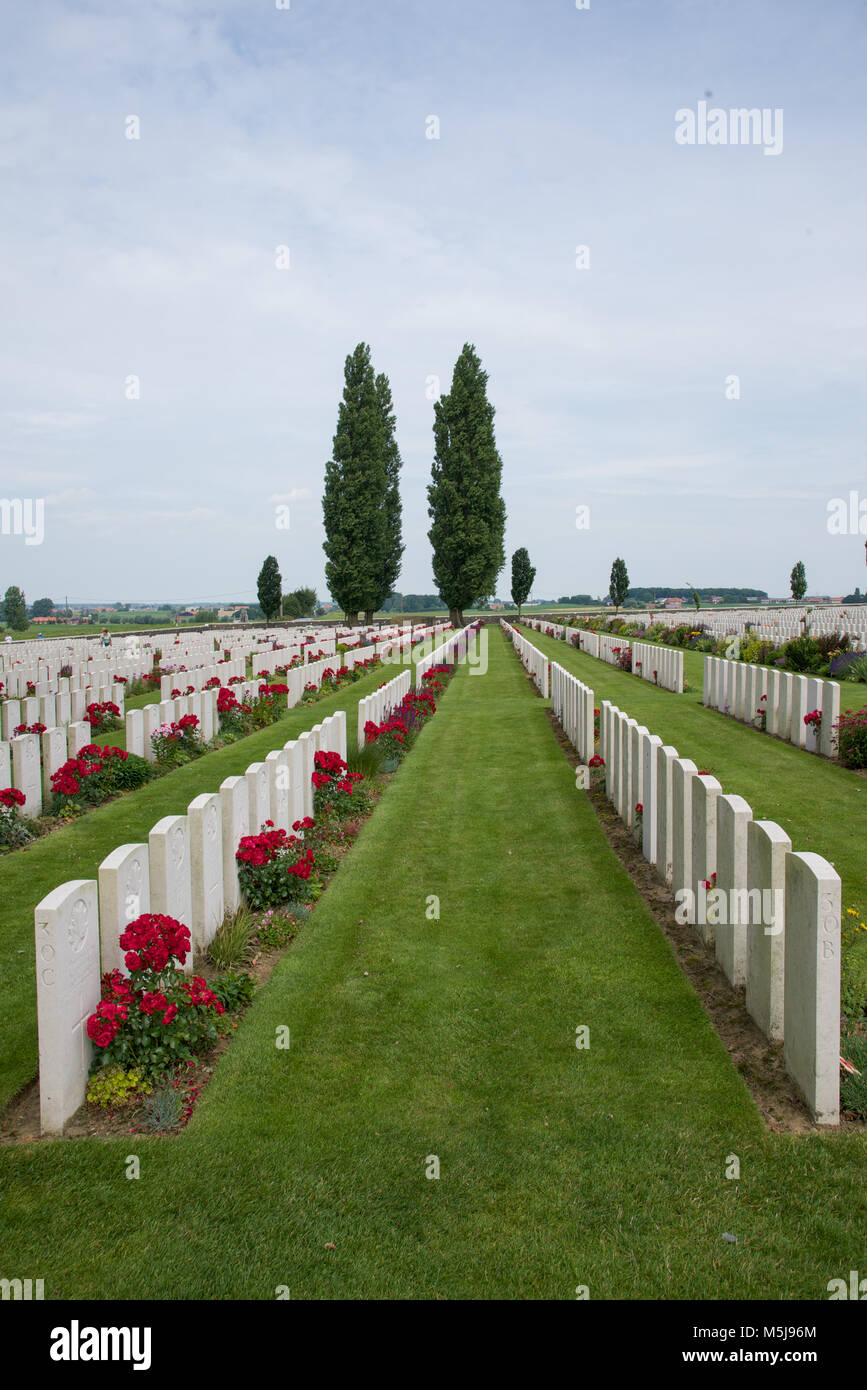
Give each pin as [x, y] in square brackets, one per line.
[177, 307]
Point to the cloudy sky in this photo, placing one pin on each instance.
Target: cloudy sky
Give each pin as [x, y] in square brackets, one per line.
[158, 259]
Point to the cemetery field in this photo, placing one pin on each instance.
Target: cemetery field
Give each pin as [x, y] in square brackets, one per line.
[822, 806]
[76, 850]
[416, 1037]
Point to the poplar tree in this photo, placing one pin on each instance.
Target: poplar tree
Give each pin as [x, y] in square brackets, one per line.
[523, 575]
[356, 485]
[392, 534]
[269, 588]
[798, 581]
[467, 512]
[618, 587]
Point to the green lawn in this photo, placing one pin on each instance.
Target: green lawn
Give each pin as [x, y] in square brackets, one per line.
[822, 806]
[76, 851]
[455, 1037]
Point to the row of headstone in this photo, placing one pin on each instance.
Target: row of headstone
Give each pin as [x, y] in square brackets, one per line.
[93, 678]
[659, 665]
[54, 711]
[776, 701]
[198, 676]
[186, 870]
[771, 915]
[533, 661]
[378, 706]
[573, 703]
[450, 652]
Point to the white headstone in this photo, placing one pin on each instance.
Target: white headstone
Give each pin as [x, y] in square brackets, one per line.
[53, 757]
[170, 877]
[277, 766]
[260, 796]
[683, 774]
[27, 772]
[135, 732]
[78, 736]
[705, 791]
[124, 895]
[811, 1048]
[767, 849]
[733, 815]
[67, 993]
[204, 815]
[235, 815]
[296, 781]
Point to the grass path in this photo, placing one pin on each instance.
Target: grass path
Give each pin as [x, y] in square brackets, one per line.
[456, 1038]
[77, 850]
[822, 806]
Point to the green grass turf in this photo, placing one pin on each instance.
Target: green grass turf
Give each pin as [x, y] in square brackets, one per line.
[456, 1038]
[77, 850]
[820, 805]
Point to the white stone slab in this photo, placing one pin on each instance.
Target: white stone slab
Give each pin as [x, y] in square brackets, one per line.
[811, 1047]
[67, 993]
[204, 815]
[768, 847]
[733, 815]
[170, 876]
[27, 772]
[124, 895]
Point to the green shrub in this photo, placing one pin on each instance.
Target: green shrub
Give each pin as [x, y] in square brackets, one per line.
[164, 1107]
[233, 940]
[112, 1087]
[277, 929]
[803, 654]
[367, 760]
[234, 990]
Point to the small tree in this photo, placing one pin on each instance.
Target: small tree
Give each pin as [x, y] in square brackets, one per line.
[269, 588]
[300, 603]
[42, 608]
[618, 587]
[15, 609]
[523, 574]
[798, 581]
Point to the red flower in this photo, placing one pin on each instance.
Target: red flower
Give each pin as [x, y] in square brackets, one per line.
[170, 1014]
[149, 1003]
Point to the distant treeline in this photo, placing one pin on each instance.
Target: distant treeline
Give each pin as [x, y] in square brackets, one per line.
[413, 603]
[727, 595]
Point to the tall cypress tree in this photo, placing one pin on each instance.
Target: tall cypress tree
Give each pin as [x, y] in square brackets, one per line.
[523, 574]
[270, 588]
[356, 482]
[464, 502]
[618, 587]
[392, 536]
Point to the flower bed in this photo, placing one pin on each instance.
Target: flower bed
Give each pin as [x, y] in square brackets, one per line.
[156, 1020]
[177, 743]
[850, 738]
[96, 774]
[102, 718]
[13, 830]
